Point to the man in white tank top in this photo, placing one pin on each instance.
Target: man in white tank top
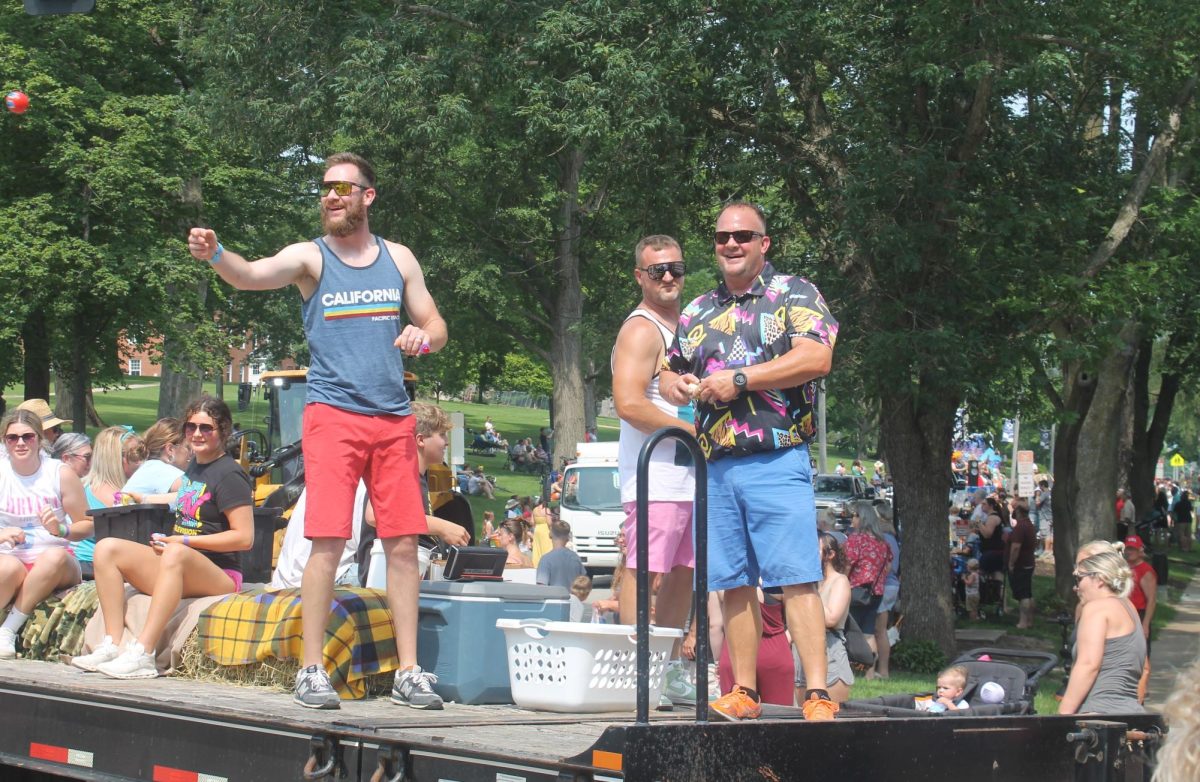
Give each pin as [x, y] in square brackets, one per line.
[636, 359]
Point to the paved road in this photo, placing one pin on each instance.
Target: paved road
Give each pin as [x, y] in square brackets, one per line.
[1177, 645]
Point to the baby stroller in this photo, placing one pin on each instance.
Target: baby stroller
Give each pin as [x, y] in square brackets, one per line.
[958, 574]
[992, 592]
[1016, 670]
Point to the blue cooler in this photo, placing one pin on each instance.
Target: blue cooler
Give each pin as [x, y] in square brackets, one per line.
[458, 640]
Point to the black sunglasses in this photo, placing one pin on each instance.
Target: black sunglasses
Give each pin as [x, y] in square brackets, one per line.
[343, 189]
[741, 237]
[190, 428]
[656, 271]
[1079, 577]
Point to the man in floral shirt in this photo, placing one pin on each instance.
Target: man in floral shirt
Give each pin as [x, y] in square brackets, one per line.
[749, 352]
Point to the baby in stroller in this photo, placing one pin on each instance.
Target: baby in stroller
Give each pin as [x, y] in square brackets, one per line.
[998, 681]
[951, 684]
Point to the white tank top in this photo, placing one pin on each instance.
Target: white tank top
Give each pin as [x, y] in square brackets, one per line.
[670, 480]
[21, 499]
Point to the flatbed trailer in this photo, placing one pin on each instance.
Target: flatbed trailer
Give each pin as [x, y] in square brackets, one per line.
[58, 722]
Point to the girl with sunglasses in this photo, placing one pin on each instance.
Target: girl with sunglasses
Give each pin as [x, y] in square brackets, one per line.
[39, 498]
[214, 522]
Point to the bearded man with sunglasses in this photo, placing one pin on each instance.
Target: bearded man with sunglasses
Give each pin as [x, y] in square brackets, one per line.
[749, 352]
[358, 421]
[636, 359]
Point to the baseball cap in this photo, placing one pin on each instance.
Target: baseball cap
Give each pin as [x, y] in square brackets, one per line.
[1133, 541]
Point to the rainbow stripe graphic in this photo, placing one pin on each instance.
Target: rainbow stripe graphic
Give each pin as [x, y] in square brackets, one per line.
[362, 311]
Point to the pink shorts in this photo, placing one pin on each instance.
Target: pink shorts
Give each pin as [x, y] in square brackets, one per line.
[339, 448]
[670, 535]
[235, 576]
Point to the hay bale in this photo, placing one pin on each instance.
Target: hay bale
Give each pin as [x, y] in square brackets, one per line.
[272, 674]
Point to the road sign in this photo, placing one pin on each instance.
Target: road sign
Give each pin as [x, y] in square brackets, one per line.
[1177, 461]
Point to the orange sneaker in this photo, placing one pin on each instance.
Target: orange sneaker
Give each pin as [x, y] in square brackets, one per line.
[818, 709]
[736, 705]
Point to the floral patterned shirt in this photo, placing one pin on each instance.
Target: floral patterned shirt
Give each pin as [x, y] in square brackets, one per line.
[721, 331]
[869, 557]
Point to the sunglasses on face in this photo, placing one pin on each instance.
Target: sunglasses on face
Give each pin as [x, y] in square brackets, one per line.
[656, 271]
[741, 237]
[13, 439]
[190, 428]
[342, 189]
[87, 457]
[1079, 577]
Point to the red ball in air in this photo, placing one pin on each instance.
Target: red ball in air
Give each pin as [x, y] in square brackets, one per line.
[16, 102]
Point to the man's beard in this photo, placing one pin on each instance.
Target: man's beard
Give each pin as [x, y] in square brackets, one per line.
[351, 217]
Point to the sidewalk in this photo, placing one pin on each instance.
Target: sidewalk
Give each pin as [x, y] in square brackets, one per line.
[1177, 645]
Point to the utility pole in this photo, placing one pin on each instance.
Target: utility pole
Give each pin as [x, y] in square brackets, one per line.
[823, 449]
[1016, 444]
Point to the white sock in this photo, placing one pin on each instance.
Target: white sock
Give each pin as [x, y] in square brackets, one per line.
[15, 620]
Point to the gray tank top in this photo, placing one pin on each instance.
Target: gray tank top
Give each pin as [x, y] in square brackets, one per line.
[352, 320]
[1115, 688]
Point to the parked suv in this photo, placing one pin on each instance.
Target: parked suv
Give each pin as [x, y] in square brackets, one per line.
[836, 492]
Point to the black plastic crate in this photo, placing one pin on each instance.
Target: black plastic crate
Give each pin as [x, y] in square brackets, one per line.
[133, 522]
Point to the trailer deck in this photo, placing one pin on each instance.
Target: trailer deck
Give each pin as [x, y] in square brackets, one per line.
[58, 721]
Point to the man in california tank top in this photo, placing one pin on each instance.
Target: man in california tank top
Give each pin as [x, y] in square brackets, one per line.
[357, 418]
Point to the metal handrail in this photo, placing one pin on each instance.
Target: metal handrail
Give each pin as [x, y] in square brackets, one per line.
[700, 590]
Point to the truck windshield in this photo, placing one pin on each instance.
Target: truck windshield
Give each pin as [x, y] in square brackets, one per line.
[836, 484]
[592, 487]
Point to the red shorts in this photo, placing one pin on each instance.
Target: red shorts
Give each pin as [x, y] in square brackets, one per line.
[340, 447]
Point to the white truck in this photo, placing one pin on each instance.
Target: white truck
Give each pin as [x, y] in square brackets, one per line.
[591, 504]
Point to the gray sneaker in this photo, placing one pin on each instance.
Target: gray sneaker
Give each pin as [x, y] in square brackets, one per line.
[414, 687]
[313, 690]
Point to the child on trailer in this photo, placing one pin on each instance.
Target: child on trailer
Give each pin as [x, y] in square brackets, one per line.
[951, 683]
[971, 588]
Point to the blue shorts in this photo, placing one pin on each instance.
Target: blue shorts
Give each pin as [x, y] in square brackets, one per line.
[762, 521]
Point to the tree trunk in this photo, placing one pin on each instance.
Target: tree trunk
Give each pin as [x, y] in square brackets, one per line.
[64, 405]
[916, 430]
[565, 341]
[590, 403]
[35, 342]
[80, 379]
[178, 387]
[1149, 434]
[1100, 442]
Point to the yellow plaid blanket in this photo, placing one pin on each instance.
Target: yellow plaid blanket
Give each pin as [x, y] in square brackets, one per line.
[256, 625]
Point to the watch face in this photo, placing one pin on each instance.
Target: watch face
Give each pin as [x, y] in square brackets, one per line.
[739, 379]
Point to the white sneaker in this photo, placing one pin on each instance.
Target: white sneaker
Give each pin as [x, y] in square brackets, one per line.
[133, 663]
[8, 644]
[106, 652]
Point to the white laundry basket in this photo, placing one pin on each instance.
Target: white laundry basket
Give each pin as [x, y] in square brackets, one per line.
[580, 666]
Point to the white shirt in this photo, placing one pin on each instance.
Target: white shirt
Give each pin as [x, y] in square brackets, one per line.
[293, 554]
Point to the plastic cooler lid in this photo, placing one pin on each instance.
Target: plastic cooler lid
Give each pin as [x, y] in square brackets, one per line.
[494, 590]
